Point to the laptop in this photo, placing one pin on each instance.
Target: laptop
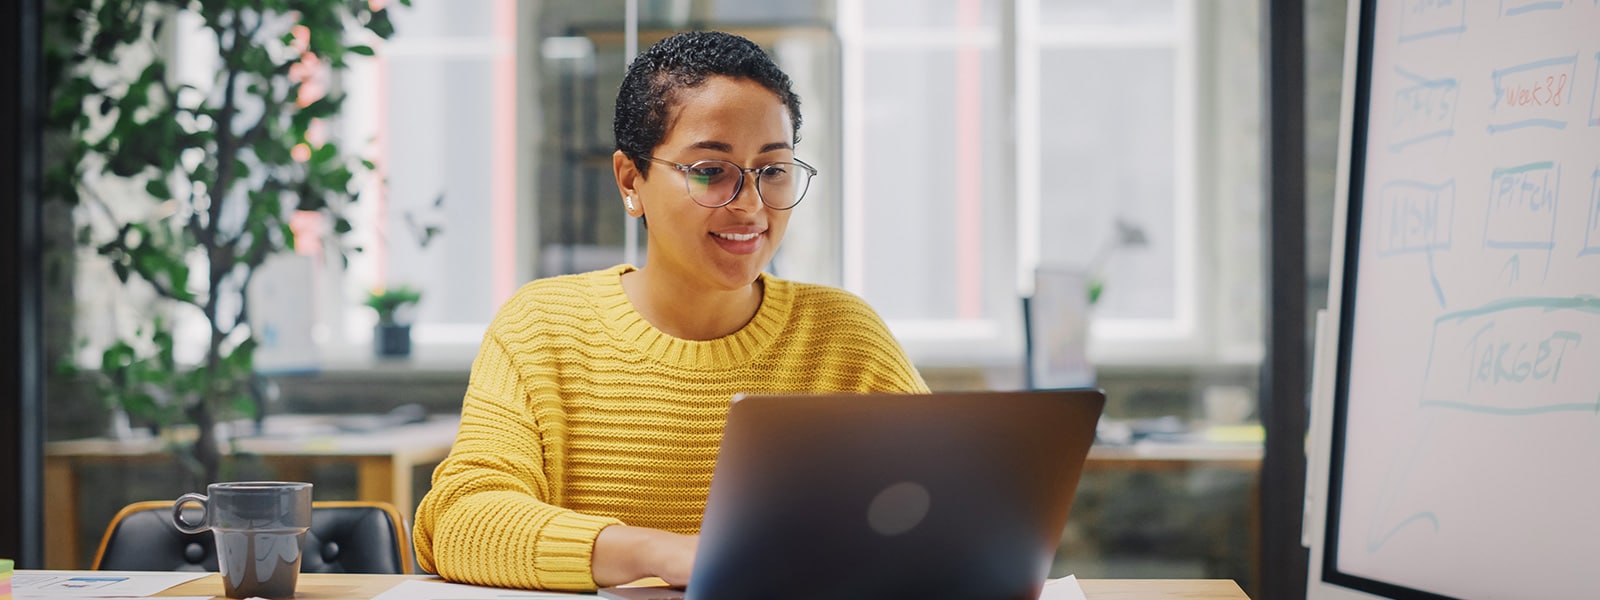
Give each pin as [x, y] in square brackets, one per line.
[944, 495]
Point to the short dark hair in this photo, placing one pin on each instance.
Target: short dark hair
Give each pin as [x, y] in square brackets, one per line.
[682, 61]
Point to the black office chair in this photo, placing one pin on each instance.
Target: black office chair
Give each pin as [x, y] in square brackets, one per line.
[345, 537]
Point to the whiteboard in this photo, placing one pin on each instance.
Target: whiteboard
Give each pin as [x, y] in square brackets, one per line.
[1458, 429]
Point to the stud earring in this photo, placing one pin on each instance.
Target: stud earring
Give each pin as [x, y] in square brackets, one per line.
[628, 202]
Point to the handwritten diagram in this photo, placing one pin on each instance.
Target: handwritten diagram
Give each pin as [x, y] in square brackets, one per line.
[1423, 110]
[1417, 217]
[1533, 94]
[1594, 93]
[1591, 231]
[1522, 207]
[1507, 358]
[1422, 19]
[1512, 8]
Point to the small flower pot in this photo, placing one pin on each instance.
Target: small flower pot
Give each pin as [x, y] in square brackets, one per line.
[392, 340]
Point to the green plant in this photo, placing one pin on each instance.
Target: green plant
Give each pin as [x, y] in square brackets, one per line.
[186, 191]
[1129, 234]
[389, 301]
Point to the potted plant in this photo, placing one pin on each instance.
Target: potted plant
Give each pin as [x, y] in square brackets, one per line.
[392, 335]
[184, 190]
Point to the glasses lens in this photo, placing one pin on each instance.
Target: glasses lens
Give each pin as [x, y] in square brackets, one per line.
[782, 184]
[713, 183]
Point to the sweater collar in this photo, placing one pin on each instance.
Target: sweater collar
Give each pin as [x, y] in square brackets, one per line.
[735, 350]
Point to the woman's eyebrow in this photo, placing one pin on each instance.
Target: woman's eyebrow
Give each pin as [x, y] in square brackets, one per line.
[726, 147]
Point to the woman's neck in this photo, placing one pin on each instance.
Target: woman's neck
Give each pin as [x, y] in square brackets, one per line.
[685, 312]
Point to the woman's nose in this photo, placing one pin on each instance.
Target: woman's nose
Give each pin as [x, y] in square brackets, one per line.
[747, 198]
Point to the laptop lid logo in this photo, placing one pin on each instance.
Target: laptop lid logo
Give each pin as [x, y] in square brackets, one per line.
[898, 508]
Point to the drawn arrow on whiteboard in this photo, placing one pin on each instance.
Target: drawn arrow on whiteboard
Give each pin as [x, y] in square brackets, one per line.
[1433, 276]
[1515, 266]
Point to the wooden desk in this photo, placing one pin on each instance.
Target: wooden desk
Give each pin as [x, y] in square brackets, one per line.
[292, 446]
[311, 586]
[315, 586]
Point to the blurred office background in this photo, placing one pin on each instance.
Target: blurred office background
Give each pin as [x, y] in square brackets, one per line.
[965, 146]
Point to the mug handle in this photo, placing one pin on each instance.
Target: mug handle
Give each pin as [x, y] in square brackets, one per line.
[177, 513]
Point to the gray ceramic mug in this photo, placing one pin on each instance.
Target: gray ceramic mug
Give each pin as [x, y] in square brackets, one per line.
[259, 527]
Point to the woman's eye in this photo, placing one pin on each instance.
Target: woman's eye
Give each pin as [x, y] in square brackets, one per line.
[706, 172]
[774, 172]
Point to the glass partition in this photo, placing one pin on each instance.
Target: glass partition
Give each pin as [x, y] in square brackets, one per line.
[964, 145]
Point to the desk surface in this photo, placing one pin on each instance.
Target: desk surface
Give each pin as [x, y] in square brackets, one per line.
[316, 586]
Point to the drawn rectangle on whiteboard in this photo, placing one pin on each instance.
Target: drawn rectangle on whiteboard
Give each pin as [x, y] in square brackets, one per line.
[1594, 95]
[1510, 357]
[1522, 207]
[1591, 231]
[1534, 94]
[1424, 110]
[1512, 8]
[1421, 19]
[1415, 217]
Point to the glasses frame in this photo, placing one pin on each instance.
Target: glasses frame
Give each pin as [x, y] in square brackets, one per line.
[737, 187]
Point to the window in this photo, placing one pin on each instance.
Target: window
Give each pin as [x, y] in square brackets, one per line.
[439, 104]
[987, 138]
[511, 131]
[1106, 139]
[962, 143]
[928, 200]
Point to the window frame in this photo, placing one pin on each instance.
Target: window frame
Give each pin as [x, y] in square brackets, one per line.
[1122, 341]
[996, 339]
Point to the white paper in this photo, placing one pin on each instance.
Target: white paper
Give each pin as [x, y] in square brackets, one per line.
[1065, 588]
[96, 584]
[414, 589]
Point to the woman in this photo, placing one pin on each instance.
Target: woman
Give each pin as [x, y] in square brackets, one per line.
[596, 403]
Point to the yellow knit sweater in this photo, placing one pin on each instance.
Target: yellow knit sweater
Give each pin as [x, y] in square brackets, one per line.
[580, 414]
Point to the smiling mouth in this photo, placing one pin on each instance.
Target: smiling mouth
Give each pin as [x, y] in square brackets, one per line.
[737, 237]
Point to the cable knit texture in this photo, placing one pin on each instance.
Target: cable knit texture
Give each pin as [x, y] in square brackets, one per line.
[580, 415]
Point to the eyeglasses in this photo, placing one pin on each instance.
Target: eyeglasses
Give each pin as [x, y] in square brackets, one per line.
[715, 183]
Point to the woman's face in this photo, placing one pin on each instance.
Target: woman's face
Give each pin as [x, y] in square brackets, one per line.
[722, 248]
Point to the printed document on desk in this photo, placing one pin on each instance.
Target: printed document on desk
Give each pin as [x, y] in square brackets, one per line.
[1065, 588]
[418, 589]
[95, 584]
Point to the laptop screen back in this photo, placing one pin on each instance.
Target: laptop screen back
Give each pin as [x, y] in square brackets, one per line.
[951, 495]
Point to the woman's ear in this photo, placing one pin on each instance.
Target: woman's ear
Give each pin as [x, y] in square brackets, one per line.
[628, 176]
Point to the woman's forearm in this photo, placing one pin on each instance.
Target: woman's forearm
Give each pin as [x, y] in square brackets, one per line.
[624, 554]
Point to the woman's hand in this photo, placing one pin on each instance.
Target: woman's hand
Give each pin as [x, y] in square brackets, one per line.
[624, 554]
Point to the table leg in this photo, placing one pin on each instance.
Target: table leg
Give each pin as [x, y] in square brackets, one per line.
[60, 515]
[401, 486]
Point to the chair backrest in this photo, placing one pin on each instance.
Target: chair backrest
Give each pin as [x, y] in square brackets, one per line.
[345, 537]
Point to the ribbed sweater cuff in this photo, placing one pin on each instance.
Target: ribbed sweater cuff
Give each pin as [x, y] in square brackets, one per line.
[566, 551]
